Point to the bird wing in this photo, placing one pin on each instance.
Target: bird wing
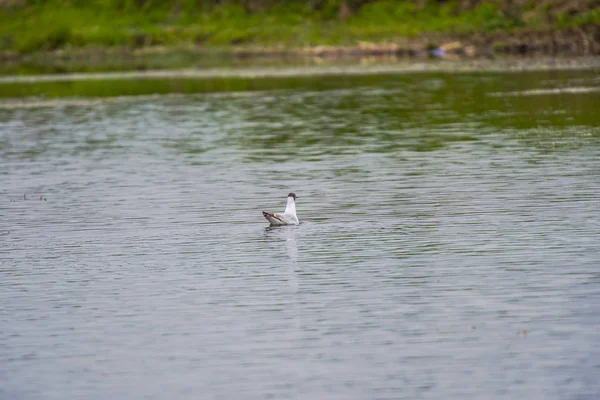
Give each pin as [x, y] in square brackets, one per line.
[274, 218]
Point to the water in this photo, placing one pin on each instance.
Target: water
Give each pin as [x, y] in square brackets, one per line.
[449, 245]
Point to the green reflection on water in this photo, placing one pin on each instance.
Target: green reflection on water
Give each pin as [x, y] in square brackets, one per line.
[319, 116]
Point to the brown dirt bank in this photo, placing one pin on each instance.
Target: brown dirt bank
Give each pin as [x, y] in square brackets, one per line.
[575, 42]
[566, 43]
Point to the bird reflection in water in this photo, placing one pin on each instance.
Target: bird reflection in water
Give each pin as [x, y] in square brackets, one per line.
[288, 235]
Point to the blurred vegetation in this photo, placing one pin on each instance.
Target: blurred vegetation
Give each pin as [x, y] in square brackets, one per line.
[28, 26]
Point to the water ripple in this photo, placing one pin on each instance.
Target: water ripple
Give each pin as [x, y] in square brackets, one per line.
[448, 237]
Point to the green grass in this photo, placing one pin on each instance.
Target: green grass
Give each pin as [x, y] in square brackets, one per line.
[565, 20]
[52, 24]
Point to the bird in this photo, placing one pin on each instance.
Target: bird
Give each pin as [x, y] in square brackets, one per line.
[289, 215]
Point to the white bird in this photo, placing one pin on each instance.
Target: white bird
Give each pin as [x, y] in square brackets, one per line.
[289, 215]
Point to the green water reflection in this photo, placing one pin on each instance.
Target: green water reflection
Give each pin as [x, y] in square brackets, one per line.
[311, 117]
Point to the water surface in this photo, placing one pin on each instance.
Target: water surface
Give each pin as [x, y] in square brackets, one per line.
[449, 245]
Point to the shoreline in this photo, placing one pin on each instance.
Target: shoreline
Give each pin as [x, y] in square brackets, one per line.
[65, 36]
[401, 66]
[572, 43]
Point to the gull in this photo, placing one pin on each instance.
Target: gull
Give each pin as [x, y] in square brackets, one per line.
[289, 215]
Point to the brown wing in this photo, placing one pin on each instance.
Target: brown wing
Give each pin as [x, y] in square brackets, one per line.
[270, 215]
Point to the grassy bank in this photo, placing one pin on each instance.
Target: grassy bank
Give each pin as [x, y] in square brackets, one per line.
[46, 25]
[55, 36]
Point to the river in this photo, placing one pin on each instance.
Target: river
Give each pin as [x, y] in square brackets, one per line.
[449, 244]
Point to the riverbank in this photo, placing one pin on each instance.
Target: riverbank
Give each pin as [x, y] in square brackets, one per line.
[537, 47]
[507, 64]
[44, 90]
[55, 36]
